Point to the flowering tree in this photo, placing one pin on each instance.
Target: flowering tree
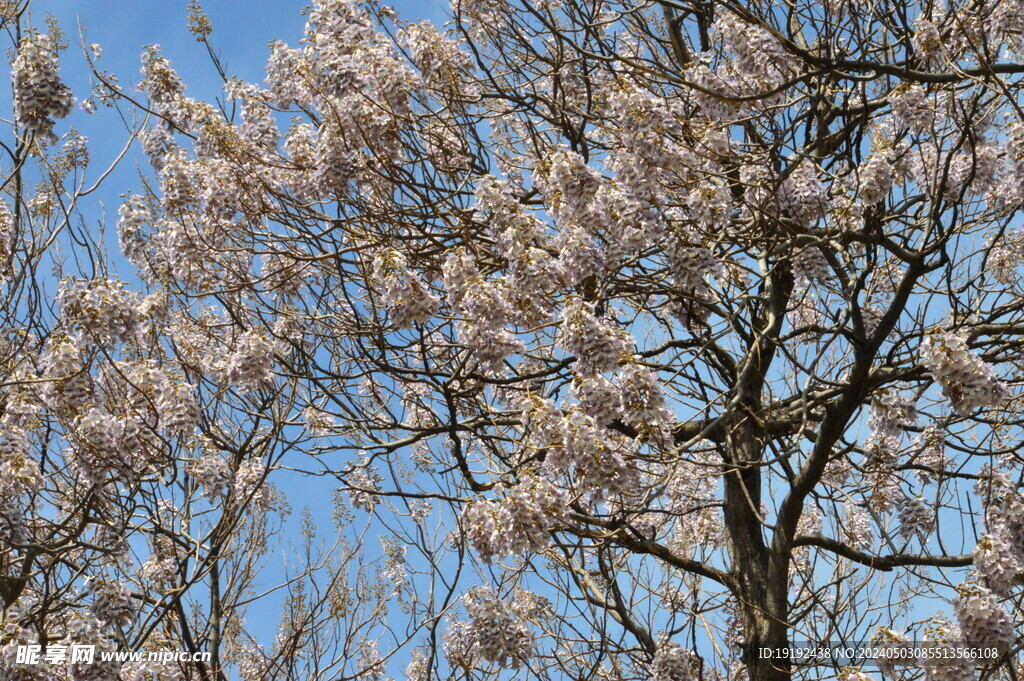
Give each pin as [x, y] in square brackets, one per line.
[646, 337]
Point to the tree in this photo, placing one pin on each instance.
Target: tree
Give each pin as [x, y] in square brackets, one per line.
[646, 336]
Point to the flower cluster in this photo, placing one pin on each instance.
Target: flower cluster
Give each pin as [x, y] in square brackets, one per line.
[997, 559]
[351, 74]
[982, 619]
[485, 309]
[757, 55]
[444, 144]
[567, 184]
[407, 297]
[691, 266]
[287, 80]
[803, 195]
[716, 93]
[84, 628]
[153, 396]
[363, 485]
[318, 422]
[497, 635]
[39, 94]
[913, 108]
[443, 63]
[250, 486]
[597, 345]
[65, 366]
[458, 644]
[857, 527]
[875, 176]
[691, 492]
[887, 640]
[518, 236]
[579, 256]
[14, 635]
[418, 668]
[13, 528]
[337, 163]
[301, 149]
[880, 475]
[945, 638]
[134, 218]
[161, 83]
[811, 265]
[250, 364]
[112, 602]
[514, 229]
[7, 238]
[153, 669]
[252, 665]
[927, 38]
[1009, 195]
[1006, 254]
[890, 415]
[968, 381]
[672, 662]
[213, 473]
[933, 453]
[102, 446]
[258, 129]
[178, 187]
[158, 572]
[102, 308]
[999, 555]
[158, 145]
[810, 522]
[642, 400]
[598, 398]
[647, 129]
[19, 472]
[517, 523]
[709, 204]
[917, 518]
[598, 457]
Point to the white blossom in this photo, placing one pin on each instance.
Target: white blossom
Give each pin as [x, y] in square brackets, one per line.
[250, 364]
[517, 523]
[997, 559]
[40, 95]
[212, 471]
[967, 381]
[408, 298]
[983, 621]
[917, 518]
[803, 195]
[597, 345]
[672, 662]
[876, 177]
[497, 635]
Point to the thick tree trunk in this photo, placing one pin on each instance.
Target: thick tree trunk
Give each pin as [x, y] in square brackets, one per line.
[764, 622]
[760, 571]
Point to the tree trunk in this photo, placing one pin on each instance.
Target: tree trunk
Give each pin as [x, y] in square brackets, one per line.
[760, 571]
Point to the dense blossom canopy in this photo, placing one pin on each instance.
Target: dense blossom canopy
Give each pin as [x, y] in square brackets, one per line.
[638, 337]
